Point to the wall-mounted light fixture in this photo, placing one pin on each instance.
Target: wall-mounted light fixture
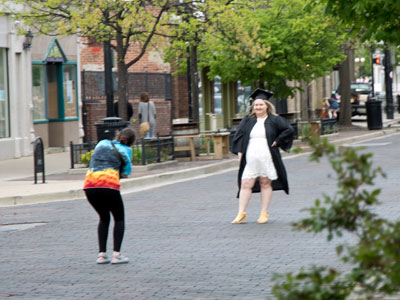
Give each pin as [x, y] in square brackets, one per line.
[28, 40]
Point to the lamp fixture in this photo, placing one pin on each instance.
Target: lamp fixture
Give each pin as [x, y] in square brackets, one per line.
[28, 40]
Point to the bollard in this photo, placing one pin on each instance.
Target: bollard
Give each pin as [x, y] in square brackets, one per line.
[38, 158]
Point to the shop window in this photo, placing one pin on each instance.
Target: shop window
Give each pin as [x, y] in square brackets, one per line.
[69, 87]
[217, 96]
[4, 111]
[38, 92]
[243, 98]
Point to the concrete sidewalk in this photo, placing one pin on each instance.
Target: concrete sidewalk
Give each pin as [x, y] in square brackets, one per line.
[17, 183]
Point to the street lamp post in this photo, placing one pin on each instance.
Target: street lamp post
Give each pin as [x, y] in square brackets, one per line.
[108, 81]
[372, 72]
[388, 85]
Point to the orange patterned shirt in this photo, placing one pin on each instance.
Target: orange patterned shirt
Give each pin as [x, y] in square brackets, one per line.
[104, 166]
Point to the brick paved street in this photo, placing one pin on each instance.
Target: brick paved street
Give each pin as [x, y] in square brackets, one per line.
[179, 238]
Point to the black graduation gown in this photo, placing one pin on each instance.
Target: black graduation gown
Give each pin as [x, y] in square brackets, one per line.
[277, 129]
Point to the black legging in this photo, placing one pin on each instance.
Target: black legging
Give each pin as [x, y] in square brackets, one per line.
[105, 201]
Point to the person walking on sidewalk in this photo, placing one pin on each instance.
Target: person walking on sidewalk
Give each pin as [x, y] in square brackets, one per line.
[256, 142]
[110, 161]
[147, 113]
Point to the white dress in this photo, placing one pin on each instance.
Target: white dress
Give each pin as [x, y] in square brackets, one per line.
[258, 157]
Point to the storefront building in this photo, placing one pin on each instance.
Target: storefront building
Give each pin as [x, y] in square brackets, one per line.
[55, 90]
[16, 127]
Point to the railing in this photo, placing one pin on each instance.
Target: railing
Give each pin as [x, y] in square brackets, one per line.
[144, 151]
[156, 150]
[76, 151]
[328, 126]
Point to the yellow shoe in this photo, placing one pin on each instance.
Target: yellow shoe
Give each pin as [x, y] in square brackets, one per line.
[263, 218]
[240, 219]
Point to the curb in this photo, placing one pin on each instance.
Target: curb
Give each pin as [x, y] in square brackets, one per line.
[142, 183]
[127, 185]
[369, 136]
[42, 198]
[138, 168]
[354, 139]
[146, 182]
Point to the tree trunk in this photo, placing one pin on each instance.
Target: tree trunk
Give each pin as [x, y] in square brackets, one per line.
[304, 102]
[345, 77]
[194, 81]
[122, 91]
[122, 80]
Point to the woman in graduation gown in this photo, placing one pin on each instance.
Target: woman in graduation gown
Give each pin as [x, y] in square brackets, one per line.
[257, 141]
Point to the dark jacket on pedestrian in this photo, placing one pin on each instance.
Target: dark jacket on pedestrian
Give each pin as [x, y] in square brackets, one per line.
[277, 129]
[128, 107]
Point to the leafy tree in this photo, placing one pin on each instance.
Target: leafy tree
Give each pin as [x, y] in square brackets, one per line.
[275, 43]
[272, 42]
[364, 66]
[192, 22]
[375, 20]
[372, 20]
[375, 272]
[129, 25]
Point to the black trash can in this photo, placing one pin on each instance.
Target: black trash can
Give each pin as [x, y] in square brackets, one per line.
[108, 128]
[374, 114]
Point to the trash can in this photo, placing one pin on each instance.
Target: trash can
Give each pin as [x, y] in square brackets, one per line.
[374, 114]
[213, 121]
[108, 128]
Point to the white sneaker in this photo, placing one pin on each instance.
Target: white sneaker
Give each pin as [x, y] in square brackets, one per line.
[119, 259]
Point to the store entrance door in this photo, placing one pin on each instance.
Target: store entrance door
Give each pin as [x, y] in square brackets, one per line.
[52, 90]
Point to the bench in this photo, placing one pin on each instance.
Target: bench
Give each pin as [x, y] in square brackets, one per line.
[221, 144]
[189, 147]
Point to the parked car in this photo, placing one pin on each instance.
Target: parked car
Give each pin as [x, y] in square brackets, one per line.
[360, 92]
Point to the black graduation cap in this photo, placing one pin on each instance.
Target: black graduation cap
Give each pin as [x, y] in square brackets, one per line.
[261, 94]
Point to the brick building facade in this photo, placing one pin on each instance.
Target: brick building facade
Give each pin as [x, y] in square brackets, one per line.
[96, 110]
[150, 74]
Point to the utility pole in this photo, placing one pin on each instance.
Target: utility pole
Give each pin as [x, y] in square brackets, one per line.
[388, 84]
